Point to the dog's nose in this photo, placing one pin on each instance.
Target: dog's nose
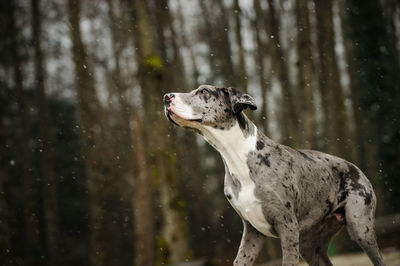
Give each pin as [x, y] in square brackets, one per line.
[167, 98]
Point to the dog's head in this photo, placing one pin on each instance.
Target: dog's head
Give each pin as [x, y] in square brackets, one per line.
[207, 106]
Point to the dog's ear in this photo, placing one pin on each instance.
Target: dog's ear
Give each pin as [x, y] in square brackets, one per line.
[240, 100]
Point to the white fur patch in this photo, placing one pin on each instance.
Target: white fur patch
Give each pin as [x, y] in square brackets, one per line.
[181, 109]
[250, 209]
[234, 148]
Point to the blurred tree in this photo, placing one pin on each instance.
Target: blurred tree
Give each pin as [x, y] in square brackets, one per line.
[45, 143]
[92, 153]
[361, 132]
[241, 68]
[306, 75]
[72, 184]
[173, 241]
[186, 42]
[118, 135]
[7, 253]
[214, 30]
[391, 10]
[30, 186]
[289, 123]
[335, 124]
[8, 231]
[261, 56]
[142, 201]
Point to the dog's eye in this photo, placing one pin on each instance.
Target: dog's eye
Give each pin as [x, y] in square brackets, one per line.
[203, 91]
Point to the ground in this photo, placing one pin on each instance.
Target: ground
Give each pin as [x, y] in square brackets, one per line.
[390, 256]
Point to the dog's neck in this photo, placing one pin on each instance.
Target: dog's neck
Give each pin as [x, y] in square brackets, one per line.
[234, 144]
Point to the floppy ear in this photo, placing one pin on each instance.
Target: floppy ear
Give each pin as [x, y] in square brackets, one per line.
[240, 100]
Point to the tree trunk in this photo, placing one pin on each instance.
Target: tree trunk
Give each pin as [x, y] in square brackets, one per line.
[392, 9]
[335, 117]
[45, 146]
[173, 243]
[173, 61]
[186, 43]
[222, 44]
[89, 107]
[242, 79]
[7, 253]
[360, 125]
[31, 210]
[215, 32]
[306, 76]
[289, 121]
[142, 201]
[265, 79]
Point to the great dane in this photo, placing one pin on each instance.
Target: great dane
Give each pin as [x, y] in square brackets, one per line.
[301, 196]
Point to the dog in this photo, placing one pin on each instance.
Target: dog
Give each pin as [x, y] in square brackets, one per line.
[302, 197]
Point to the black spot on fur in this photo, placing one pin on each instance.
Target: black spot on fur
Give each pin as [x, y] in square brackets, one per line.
[215, 93]
[367, 197]
[287, 205]
[260, 145]
[343, 196]
[264, 159]
[353, 175]
[278, 149]
[349, 178]
[350, 181]
[242, 120]
[306, 156]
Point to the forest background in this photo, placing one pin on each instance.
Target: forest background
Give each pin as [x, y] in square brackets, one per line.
[91, 172]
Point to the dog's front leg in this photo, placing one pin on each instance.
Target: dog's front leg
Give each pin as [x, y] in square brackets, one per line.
[250, 245]
[289, 234]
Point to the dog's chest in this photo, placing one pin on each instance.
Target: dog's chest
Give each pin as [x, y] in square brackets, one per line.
[239, 187]
[249, 207]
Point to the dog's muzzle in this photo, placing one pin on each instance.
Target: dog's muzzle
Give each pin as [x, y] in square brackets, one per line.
[167, 102]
